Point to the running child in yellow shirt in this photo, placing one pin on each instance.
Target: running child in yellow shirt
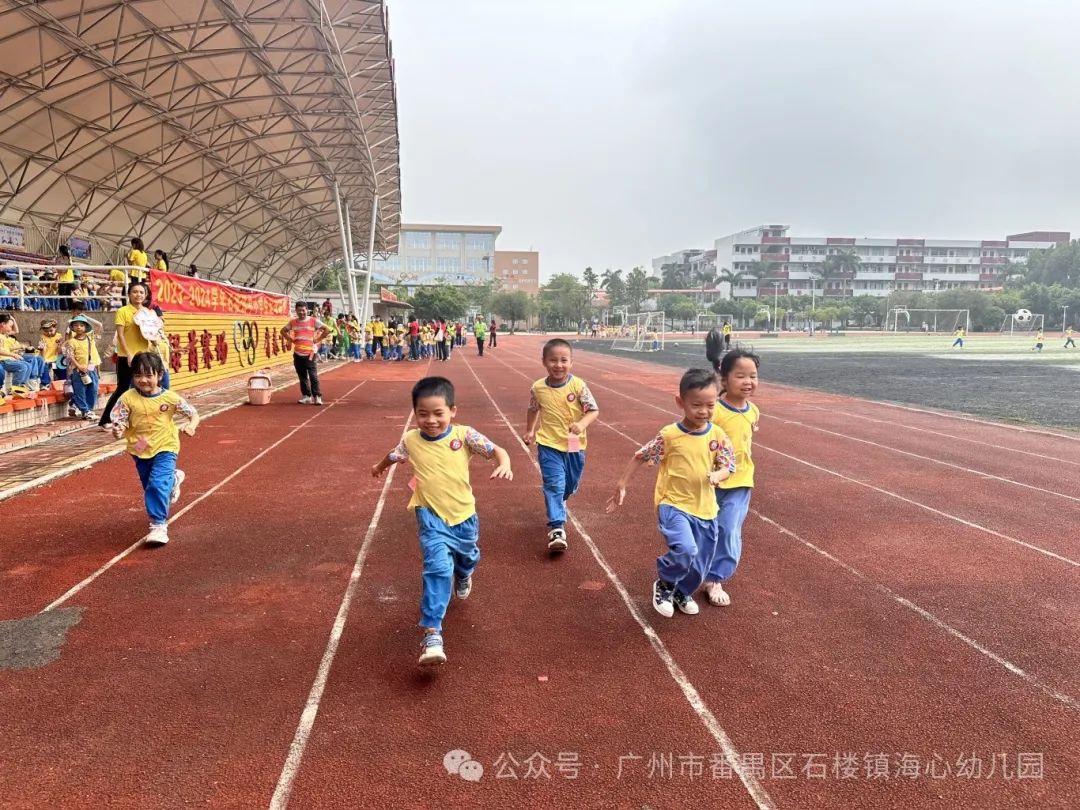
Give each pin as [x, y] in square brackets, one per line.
[561, 407]
[146, 416]
[443, 502]
[695, 457]
[738, 417]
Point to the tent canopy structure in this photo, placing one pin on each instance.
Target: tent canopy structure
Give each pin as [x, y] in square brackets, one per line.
[213, 129]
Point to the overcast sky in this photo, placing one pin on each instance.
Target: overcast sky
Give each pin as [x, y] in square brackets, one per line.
[607, 132]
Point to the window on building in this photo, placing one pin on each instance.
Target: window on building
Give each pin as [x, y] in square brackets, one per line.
[448, 241]
[418, 240]
[479, 243]
[447, 264]
[419, 264]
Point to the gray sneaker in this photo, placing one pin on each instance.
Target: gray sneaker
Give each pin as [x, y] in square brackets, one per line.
[463, 587]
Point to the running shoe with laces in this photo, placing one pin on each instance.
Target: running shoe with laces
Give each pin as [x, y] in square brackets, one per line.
[662, 598]
[463, 587]
[557, 540]
[431, 650]
[304, 400]
[684, 603]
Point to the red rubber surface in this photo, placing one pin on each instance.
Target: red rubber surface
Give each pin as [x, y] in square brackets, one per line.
[184, 680]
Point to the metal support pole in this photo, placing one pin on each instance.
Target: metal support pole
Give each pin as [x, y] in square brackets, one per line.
[344, 233]
[350, 279]
[22, 289]
[370, 252]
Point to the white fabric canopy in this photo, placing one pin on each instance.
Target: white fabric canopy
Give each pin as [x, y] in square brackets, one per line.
[213, 129]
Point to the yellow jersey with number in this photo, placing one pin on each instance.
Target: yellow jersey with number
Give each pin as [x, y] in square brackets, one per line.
[559, 406]
[739, 425]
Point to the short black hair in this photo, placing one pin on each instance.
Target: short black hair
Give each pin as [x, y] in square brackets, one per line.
[556, 343]
[434, 387]
[144, 362]
[728, 363]
[695, 379]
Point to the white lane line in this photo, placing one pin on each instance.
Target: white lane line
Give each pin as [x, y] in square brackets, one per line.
[697, 703]
[1030, 679]
[928, 508]
[905, 426]
[80, 586]
[979, 473]
[289, 771]
[887, 492]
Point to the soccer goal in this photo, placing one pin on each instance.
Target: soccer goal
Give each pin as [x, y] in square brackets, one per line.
[903, 320]
[641, 332]
[1022, 322]
[709, 320]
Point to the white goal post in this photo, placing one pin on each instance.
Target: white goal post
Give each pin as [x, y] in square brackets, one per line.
[1022, 322]
[641, 332]
[908, 320]
[709, 320]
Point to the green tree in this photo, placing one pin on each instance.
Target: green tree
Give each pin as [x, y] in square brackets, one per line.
[732, 277]
[1059, 265]
[513, 306]
[637, 288]
[675, 276]
[706, 277]
[441, 302]
[840, 265]
[612, 281]
[568, 301]
[678, 307]
[592, 281]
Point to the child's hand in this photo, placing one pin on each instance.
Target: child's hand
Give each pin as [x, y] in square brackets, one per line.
[575, 428]
[117, 431]
[377, 470]
[503, 471]
[616, 500]
[528, 437]
[188, 429]
[717, 477]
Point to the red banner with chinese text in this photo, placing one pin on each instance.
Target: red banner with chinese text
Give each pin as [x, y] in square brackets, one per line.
[209, 348]
[175, 293]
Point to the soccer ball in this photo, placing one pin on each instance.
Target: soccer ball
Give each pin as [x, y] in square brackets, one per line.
[1023, 315]
[676, 345]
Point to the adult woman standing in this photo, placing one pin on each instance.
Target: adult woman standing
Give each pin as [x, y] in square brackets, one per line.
[65, 277]
[138, 259]
[133, 321]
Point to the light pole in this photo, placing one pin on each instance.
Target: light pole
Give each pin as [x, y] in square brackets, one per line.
[776, 305]
[813, 302]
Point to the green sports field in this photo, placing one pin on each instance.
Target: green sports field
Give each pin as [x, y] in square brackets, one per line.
[997, 377]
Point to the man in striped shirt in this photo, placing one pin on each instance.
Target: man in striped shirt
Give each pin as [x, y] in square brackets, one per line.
[305, 333]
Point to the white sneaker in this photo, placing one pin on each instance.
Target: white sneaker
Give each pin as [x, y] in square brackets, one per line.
[662, 599]
[304, 400]
[159, 535]
[557, 540]
[178, 479]
[463, 587]
[717, 595]
[685, 604]
[431, 650]
[318, 400]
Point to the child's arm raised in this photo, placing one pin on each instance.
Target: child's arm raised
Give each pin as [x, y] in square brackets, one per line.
[532, 418]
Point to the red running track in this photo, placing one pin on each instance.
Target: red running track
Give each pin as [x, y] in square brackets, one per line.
[890, 609]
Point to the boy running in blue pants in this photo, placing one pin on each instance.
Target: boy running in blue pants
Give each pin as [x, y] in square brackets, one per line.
[695, 457]
[561, 407]
[443, 502]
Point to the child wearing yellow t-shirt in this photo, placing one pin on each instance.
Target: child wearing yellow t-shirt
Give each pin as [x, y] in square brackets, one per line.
[443, 502]
[146, 417]
[695, 456]
[738, 417]
[561, 407]
[49, 347]
[83, 359]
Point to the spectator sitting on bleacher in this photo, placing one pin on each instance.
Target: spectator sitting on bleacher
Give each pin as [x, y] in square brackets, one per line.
[11, 357]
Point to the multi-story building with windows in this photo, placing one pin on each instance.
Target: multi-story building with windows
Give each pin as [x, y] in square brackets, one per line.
[518, 270]
[456, 255]
[796, 264]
